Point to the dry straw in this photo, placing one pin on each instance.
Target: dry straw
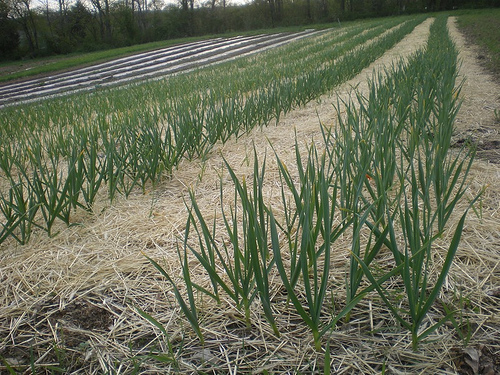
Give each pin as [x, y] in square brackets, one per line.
[71, 301]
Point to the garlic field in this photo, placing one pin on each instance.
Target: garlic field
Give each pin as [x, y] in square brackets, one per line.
[305, 209]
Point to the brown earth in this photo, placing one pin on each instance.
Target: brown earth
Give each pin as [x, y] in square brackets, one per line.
[477, 120]
[80, 289]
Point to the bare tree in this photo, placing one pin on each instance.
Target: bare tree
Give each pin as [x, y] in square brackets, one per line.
[63, 11]
[187, 7]
[24, 15]
[157, 5]
[142, 8]
[102, 8]
[46, 7]
[184, 5]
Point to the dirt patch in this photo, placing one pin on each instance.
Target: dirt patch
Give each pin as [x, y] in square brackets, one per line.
[477, 360]
[85, 315]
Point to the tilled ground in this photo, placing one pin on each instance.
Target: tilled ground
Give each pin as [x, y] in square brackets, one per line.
[148, 65]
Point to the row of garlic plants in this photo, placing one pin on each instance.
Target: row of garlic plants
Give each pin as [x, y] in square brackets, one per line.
[58, 154]
[387, 170]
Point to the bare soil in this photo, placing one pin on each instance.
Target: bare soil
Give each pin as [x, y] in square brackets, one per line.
[80, 290]
[481, 92]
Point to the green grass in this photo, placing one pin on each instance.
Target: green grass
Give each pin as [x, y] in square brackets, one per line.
[483, 28]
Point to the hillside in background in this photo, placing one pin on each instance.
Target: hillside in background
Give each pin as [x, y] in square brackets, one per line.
[29, 29]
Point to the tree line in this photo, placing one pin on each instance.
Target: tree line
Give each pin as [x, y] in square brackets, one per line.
[31, 28]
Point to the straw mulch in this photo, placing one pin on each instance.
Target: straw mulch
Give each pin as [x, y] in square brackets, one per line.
[71, 301]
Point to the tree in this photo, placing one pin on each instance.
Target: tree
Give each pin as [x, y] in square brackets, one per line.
[102, 8]
[324, 9]
[377, 7]
[9, 36]
[25, 17]
[125, 27]
[276, 10]
[187, 8]
[79, 20]
[63, 8]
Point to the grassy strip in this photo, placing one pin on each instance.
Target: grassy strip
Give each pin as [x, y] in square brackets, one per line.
[483, 29]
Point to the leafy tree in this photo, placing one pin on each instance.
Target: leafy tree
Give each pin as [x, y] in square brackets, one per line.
[22, 13]
[103, 10]
[276, 8]
[125, 27]
[9, 36]
[79, 21]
